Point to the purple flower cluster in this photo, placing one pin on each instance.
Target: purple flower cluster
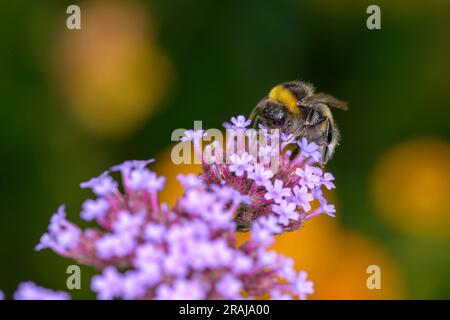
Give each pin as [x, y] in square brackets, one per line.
[30, 291]
[144, 249]
[285, 191]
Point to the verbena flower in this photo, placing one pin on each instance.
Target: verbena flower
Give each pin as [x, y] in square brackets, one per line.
[30, 291]
[144, 249]
[62, 235]
[238, 122]
[285, 190]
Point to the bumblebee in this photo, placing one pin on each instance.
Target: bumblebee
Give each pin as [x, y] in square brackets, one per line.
[295, 108]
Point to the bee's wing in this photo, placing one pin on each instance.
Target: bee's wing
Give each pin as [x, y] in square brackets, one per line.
[326, 99]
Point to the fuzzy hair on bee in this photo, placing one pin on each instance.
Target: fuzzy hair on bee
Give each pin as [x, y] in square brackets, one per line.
[295, 108]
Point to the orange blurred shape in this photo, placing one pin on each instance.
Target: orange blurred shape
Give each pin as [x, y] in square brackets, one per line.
[314, 247]
[111, 72]
[411, 187]
[164, 166]
[351, 274]
[336, 261]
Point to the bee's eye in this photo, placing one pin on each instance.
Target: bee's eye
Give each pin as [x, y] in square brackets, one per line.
[276, 114]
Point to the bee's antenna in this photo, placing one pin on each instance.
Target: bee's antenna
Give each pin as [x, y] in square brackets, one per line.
[254, 112]
[254, 115]
[257, 118]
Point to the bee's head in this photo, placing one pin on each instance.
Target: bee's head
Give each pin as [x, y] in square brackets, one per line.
[274, 115]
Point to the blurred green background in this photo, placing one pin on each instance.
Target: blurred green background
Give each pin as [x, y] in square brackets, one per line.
[75, 102]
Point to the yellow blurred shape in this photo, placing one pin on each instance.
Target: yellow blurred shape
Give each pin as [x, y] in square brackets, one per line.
[111, 72]
[411, 186]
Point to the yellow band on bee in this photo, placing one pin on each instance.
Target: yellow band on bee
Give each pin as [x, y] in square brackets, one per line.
[286, 97]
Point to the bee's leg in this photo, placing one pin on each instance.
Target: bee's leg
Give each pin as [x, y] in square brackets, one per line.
[329, 137]
[328, 132]
[310, 116]
[317, 132]
[321, 133]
